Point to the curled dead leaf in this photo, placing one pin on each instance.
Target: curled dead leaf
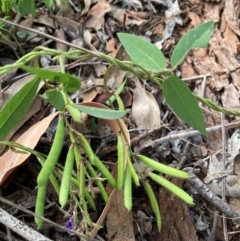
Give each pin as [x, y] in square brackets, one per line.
[11, 160]
[96, 14]
[145, 109]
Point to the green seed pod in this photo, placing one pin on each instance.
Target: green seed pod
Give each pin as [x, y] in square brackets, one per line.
[89, 199]
[81, 180]
[163, 168]
[120, 163]
[154, 203]
[171, 187]
[66, 178]
[135, 176]
[87, 148]
[99, 184]
[102, 168]
[128, 189]
[53, 154]
[40, 203]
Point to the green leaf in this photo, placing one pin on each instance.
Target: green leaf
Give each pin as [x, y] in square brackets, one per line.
[48, 3]
[100, 112]
[55, 98]
[184, 104]
[70, 83]
[143, 53]
[197, 37]
[26, 7]
[17, 106]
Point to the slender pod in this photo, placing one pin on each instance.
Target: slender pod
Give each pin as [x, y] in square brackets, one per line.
[87, 148]
[52, 177]
[53, 154]
[99, 183]
[75, 113]
[81, 180]
[89, 199]
[120, 163]
[154, 203]
[171, 187]
[102, 168]
[40, 203]
[66, 178]
[128, 189]
[157, 166]
[135, 176]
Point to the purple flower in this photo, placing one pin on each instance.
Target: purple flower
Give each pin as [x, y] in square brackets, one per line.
[69, 224]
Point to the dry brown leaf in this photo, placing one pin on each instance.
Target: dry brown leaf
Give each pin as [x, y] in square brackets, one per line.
[100, 69]
[230, 97]
[118, 14]
[65, 9]
[45, 20]
[96, 15]
[212, 11]
[69, 24]
[60, 46]
[230, 38]
[26, 23]
[119, 221]
[11, 160]
[111, 47]
[89, 95]
[87, 4]
[145, 110]
[232, 12]
[88, 40]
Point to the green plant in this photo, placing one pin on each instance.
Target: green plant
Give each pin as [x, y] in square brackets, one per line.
[28, 6]
[147, 63]
[6, 6]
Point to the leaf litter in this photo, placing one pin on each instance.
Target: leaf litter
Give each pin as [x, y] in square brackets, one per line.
[95, 25]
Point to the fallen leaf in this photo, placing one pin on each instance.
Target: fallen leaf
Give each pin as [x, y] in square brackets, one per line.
[96, 15]
[118, 14]
[87, 4]
[145, 110]
[231, 12]
[11, 160]
[119, 222]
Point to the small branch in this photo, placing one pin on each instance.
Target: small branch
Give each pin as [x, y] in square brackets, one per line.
[212, 236]
[20, 228]
[82, 236]
[210, 196]
[187, 134]
[224, 178]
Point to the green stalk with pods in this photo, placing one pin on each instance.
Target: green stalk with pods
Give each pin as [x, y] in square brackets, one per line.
[99, 183]
[103, 169]
[175, 92]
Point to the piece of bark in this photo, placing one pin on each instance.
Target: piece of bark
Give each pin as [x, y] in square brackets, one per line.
[177, 224]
